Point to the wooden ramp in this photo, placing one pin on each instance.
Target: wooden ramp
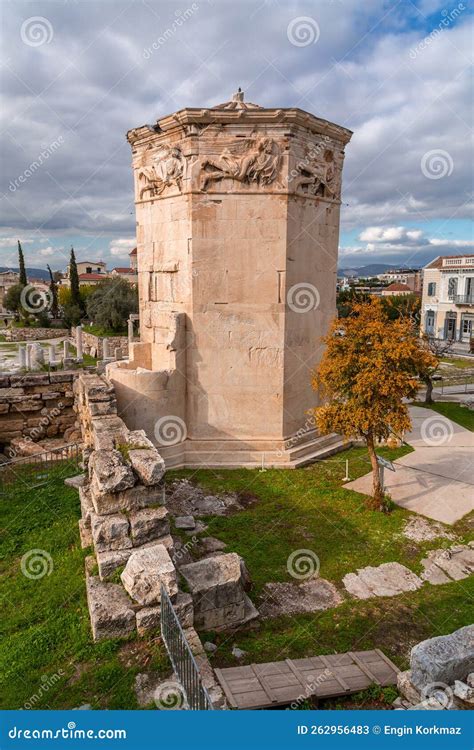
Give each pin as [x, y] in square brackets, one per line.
[281, 683]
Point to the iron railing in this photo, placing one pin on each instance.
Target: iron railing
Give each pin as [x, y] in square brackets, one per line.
[462, 299]
[33, 470]
[181, 657]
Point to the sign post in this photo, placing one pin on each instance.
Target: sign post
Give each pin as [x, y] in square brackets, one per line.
[383, 463]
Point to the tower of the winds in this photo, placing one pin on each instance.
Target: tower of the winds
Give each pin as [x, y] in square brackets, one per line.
[237, 211]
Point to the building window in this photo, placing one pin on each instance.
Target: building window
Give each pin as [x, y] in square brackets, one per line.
[430, 321]
[431, 289]
[452, 287]
[88, 269]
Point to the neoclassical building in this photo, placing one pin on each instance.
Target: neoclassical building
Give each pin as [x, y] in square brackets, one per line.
[237, 216]
[448, 298]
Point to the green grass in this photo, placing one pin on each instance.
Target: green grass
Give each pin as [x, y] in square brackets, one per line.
[100, 331]
[461, 364]
[452, 410]
[45, 629]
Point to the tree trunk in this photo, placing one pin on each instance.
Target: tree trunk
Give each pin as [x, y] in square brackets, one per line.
[429, 391]
[377, 487]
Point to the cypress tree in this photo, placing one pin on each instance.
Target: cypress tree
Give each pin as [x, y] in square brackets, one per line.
[21, 263]
[54, 294]
[76, 298]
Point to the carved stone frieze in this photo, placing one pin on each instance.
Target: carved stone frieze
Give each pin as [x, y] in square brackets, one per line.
[166, 170]
[317, 174]
[255, 160]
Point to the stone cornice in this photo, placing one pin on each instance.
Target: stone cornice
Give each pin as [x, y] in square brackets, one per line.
[251, 117]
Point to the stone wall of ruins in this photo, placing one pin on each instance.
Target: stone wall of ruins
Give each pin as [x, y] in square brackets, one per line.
[35, 406]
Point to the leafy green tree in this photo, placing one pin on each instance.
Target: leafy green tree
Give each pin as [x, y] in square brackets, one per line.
[54, 293]
[12, 299]
[72, 315]
[110, 304]
[21, 263]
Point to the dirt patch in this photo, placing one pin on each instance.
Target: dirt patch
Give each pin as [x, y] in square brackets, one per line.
[421, 530]
[138, 653]
[186, 499]
[297, 598]
[79, 669]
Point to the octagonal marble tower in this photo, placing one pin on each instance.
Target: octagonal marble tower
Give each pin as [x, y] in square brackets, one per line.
[237, 210]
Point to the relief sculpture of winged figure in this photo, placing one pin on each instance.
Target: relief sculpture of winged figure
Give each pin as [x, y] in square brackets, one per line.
[256, 160]
[167, 169]
[318, 177]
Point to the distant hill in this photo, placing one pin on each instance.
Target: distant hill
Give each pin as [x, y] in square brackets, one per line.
[370, 270]
[32, 273]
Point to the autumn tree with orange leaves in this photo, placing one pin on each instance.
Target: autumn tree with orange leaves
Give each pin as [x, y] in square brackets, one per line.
[369, 367]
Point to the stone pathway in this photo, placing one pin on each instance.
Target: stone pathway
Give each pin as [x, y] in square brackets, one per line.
[437, 478]
[389, 579]
[291, 598]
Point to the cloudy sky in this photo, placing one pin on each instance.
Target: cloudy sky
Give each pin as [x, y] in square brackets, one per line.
[77, 74]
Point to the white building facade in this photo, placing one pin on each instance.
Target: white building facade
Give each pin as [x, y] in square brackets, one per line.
[448, 298]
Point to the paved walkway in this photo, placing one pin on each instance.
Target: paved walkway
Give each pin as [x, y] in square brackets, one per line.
[437, 478]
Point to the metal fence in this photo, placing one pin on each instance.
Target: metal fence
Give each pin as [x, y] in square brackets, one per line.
[34, 471]
[181, 657]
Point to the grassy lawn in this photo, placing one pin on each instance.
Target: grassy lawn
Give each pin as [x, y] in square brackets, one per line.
[459, 362]
[45, 626]
[452, 410]
[45, 629]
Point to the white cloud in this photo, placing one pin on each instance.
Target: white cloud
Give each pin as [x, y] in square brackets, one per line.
[122, 247]
[47, 251]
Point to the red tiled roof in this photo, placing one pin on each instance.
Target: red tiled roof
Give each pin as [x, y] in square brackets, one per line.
[397, 288]
[92, 276]
[124, 270]
[134, 251]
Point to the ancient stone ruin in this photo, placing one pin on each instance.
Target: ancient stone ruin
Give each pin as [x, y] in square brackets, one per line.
[237, 212]
[125, 520]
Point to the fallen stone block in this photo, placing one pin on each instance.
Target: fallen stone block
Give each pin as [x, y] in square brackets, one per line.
[148, 525]
[149, 618]
[185, 522]
[443, 659]
[215, 585]
[147, 465]
[77, 482]
[85, 534]
[109, 473]
[107, 432]
[457, 562]
[87, 507]
[388, 579]
[110, 532]
[110, 610]
[146, 570]
[463, 691]
[130, 499]
[108, 562]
